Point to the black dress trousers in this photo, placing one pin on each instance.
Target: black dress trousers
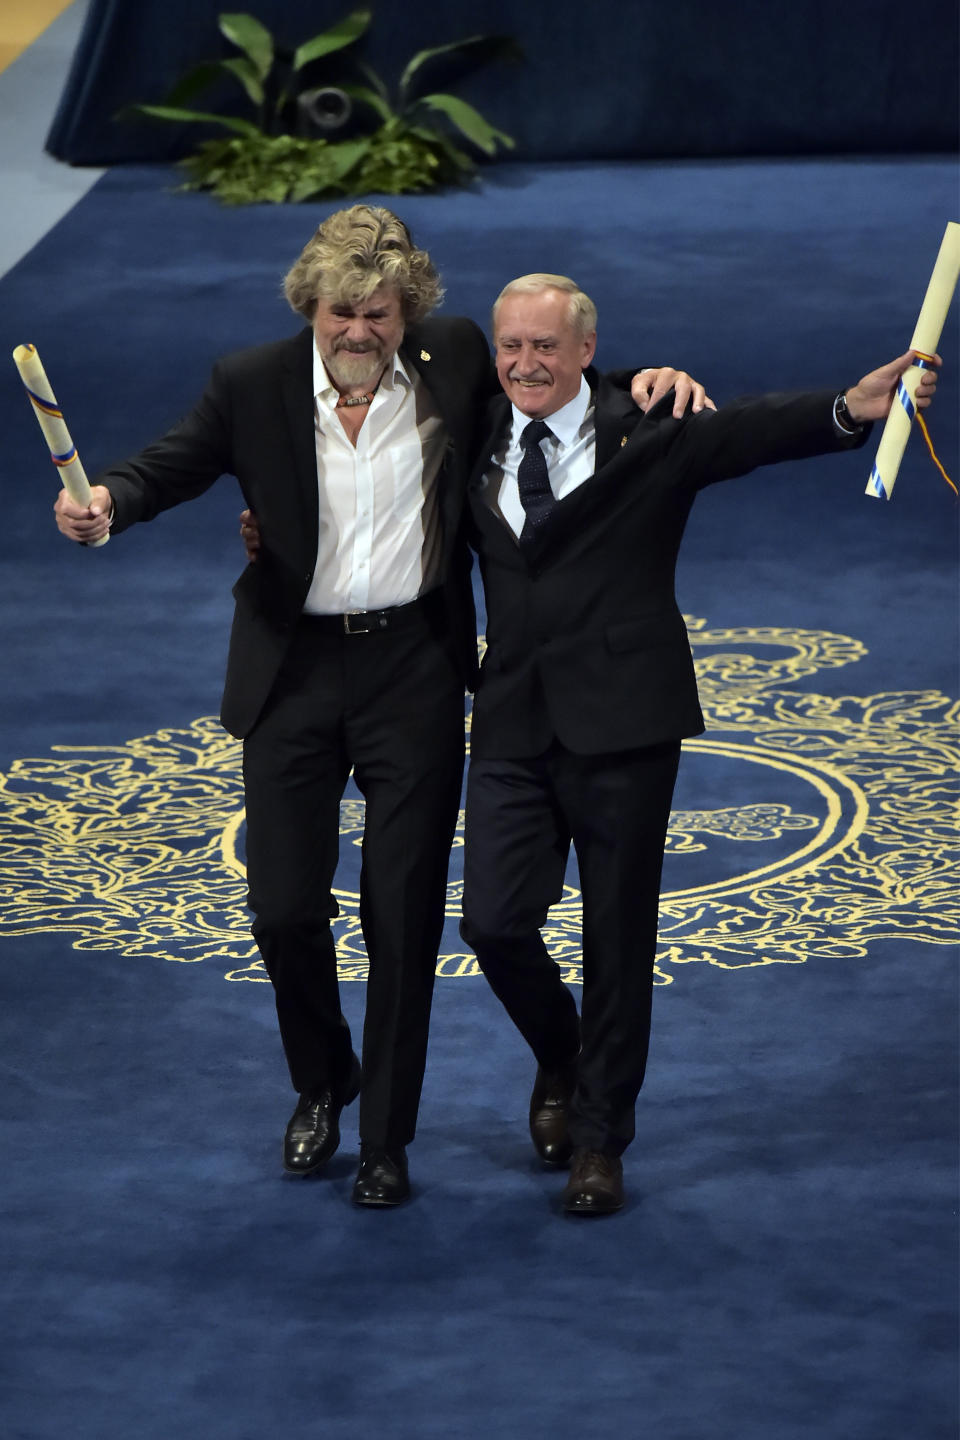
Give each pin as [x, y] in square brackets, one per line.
[521, 817]
[390, 706]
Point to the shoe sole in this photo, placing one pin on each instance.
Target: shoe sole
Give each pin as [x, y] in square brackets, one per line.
[305, 1171]
[379, 1204]
[572, 1208]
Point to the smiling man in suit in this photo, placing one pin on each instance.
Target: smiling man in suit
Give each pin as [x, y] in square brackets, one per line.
[587, 689]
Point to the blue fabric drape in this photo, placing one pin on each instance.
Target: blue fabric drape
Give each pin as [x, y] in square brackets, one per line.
[692, 78]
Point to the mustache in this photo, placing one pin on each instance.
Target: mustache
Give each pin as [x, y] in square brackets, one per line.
[538, 375]
[372, 347]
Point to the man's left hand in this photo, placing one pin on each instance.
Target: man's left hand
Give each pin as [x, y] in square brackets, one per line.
[250, 534]
[871, 398]
[650, 385]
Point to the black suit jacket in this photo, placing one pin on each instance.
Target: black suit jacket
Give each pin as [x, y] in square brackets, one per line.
[585, 640]
[255, 421]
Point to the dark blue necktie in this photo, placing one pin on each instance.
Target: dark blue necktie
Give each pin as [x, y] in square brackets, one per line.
[533, 481]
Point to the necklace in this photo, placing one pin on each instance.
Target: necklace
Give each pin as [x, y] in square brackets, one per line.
[346, 400]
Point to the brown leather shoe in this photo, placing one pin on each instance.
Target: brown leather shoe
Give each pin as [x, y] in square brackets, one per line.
[313, 1130]
[549, 1105]
[595, 1186]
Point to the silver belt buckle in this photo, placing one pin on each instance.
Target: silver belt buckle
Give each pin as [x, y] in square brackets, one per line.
[346, 622]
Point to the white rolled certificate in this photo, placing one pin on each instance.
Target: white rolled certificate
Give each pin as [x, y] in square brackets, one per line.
[63, 452]
[926, 337]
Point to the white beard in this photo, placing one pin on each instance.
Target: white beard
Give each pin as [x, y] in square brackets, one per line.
[348, 367]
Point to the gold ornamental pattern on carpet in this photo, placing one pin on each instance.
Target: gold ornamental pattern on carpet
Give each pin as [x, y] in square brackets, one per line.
[842, 831]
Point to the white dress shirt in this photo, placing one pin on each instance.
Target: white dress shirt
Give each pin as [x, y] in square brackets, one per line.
[570, 452]
[380, 526]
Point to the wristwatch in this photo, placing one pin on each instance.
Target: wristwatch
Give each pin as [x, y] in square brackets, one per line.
[842, 417]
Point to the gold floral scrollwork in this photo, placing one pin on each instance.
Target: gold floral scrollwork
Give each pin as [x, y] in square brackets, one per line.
[837, 827]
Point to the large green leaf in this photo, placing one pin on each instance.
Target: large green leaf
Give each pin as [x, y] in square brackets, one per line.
[374, 79]
[467, 54]
[197, 117]
[459, 159]
[368, 97]
[344, 33]
[468, 121]
[252, 38]
[246, 72]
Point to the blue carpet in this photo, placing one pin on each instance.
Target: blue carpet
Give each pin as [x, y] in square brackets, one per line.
[787, 1262]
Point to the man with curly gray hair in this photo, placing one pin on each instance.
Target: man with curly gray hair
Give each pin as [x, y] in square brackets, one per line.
[353, 638]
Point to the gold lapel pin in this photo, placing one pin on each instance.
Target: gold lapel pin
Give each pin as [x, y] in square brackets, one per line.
[424, 355]
[623, 441]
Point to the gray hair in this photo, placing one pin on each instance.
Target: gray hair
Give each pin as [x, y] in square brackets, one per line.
[354, 252]
[582, 313]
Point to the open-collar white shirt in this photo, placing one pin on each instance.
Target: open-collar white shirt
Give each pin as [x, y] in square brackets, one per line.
[380, 525]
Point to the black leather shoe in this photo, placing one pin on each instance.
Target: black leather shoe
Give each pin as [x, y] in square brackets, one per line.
[313, 1133]
[382, 1178]
[549, 1105]
[595, 1186]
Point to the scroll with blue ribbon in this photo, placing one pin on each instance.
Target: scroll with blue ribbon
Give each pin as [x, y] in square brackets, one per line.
[926, 337]
[63, 452]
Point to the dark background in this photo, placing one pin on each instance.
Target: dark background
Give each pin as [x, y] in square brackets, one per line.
[608, 81]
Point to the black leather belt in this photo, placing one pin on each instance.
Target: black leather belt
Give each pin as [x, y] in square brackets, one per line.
[367, 622]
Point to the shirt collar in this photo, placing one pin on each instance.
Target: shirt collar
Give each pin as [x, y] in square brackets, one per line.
[324, 388]
[565, 423]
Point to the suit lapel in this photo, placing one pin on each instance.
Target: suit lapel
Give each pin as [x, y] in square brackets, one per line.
[424, 351]
[419, 356]
[496, 421]
[296, 385]
[427, 351]
[616, 418]
[488, 520]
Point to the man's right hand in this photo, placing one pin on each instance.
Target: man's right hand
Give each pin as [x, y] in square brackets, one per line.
[250, 533]
[84, 523]
[872, 397]
[651, 384]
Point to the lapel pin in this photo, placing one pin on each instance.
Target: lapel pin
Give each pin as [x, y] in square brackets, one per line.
[623, 441]
[424, 355]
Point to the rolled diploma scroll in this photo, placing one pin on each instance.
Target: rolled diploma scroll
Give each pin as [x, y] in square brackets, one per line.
[926, 338]
[63, 452]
